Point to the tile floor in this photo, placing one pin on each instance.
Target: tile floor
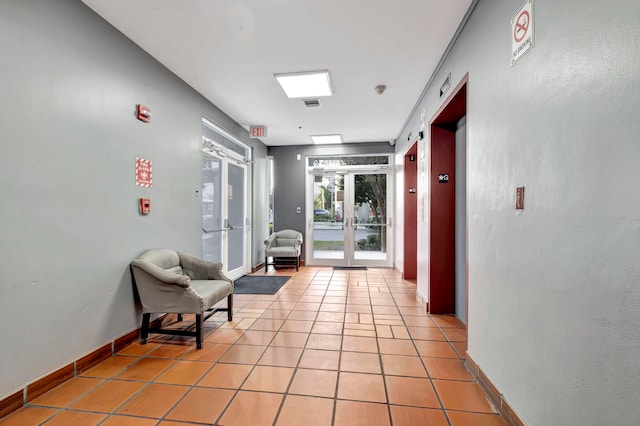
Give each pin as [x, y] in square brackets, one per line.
[330, 348]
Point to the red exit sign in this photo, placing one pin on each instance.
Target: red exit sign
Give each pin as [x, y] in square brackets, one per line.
[258, 132]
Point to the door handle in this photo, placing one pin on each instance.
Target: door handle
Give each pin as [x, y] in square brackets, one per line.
[211, 231]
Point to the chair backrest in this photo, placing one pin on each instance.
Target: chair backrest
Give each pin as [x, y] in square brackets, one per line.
[163, 258]
[287, 238]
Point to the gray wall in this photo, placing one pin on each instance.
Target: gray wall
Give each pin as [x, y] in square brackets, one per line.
[553, 290]
[68, 138]
[289, 177]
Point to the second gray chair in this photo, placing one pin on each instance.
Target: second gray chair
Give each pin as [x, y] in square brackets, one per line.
[285, 247]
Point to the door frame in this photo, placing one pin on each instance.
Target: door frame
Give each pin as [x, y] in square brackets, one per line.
[224, 214]
[245, 268]
[410, 209]
[442, 203]
[349, 241]
[227, 155]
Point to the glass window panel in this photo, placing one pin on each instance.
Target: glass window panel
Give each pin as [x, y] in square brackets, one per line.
[370, 207]
[220, 139]
[328, 217]
[348, 161]
[236, 206]
[211, 209]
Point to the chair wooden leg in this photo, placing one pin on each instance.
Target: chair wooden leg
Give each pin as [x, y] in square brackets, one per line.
[144, 330]
[199, 330]
[298, 263]
[230, 307]
[266, 264]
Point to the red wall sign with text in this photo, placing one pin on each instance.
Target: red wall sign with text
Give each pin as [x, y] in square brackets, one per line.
[143, 172]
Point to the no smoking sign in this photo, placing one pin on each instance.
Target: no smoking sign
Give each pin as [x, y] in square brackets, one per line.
[522, 31]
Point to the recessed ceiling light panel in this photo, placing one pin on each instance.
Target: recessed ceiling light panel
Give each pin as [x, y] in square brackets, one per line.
[305, 84]
[326, 139]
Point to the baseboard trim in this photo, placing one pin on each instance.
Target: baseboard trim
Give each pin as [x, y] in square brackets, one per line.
[48, 382]
[94, 358]
[424, 304]
[11, 403]
[509, 415]
[257, 268]
[123, 341]
[44, 384]
[261, 266]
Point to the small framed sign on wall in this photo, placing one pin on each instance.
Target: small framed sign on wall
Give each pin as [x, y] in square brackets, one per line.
[143, 172]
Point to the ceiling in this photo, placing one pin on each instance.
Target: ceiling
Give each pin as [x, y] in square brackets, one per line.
[229, 50]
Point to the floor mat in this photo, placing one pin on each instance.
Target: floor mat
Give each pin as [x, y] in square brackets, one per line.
[350, 268]
[255, 284]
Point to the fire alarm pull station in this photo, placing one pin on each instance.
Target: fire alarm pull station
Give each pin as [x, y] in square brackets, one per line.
[145, 206]
[143, 113]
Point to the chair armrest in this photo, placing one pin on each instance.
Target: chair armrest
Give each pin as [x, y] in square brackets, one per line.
[160, 274]
[199, 269]
[269, 241]
[299, 240]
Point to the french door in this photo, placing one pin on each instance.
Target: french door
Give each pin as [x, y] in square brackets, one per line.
[225, 221]
[349, 222]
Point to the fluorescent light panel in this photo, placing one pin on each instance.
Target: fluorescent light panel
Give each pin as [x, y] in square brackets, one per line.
[326, 139]
[305, 84]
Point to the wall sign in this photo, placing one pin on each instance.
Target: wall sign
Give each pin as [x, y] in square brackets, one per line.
[143, 172]
[443, 178]
[522, 38]
[520, 198]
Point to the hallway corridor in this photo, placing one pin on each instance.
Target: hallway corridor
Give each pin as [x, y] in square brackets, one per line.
[330, 348]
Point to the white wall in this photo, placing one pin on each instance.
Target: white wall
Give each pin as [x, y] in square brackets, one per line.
[461, 222]
[553, 290]
[68, 202]
[398, 228]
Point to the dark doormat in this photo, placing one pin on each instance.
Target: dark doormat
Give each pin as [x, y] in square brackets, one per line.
[255, 284]
[350, 268]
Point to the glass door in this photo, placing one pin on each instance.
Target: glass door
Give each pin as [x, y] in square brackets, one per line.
[237, 221]
[225, 223]
[213, 226]
[350, 222]
[370, 221]
[328, 230]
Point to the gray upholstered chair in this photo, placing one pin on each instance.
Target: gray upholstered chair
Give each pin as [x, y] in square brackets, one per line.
[172, 282]
[285, 247]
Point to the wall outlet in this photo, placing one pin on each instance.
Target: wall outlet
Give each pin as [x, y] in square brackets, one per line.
[298, 210]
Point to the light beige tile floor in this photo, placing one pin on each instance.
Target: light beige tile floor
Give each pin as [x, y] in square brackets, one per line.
[329, 348]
